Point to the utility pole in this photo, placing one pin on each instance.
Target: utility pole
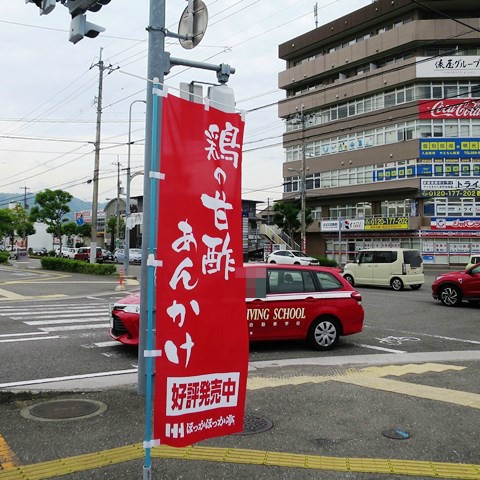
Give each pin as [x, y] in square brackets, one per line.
[303, 187]
[117, 209]
[25, 188]
[96, 168]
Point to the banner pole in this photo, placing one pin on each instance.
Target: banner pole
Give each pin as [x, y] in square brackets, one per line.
[151, 278]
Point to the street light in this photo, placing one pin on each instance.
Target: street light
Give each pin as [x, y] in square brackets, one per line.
[303, 226]
[126, 260]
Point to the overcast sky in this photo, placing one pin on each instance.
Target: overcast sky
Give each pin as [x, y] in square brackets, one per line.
[48, 88]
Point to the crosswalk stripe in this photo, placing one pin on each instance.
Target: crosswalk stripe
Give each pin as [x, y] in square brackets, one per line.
[21, 334]
[65, 320]
[63, 313]
[75, 327]
[30, 339]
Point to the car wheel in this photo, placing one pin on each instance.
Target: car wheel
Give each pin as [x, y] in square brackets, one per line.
[415, 287]
[273, 261]
[450, 296]
[324, 333]
[349, 279]
[396, 284]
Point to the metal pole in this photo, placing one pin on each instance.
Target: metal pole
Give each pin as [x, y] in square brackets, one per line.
[126, 261]
[117, 210]
[303, 187]
[96, 168]
[156, 61]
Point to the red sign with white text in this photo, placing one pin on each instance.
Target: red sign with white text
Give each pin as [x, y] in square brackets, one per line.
[449, 108]
[201, 328]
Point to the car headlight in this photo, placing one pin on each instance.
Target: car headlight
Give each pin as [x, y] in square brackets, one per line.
[132, 309]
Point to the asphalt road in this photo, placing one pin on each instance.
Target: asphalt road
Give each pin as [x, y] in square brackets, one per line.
[330, 414]
[58, 327]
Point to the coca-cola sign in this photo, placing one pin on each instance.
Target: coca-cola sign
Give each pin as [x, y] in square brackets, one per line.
[449, 108]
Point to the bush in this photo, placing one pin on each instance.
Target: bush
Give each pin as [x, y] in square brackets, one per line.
[4, 256]
[327, 262]
[77, 266]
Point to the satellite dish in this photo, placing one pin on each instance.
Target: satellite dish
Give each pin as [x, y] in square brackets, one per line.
[193, 22]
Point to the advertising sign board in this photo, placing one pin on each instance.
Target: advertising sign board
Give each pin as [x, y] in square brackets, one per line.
[201, 328]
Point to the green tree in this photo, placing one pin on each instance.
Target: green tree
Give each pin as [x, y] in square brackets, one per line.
[287, 216]
[7, 228]
[111, 228]
[50, 208]
[69, 229]
[21, 222]
[84, 231]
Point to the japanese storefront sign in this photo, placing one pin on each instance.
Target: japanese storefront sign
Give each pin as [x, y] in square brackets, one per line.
[386, 223]
[450, 187]
[455, 223]
[449, 147]
[448, 66]
[201, 328]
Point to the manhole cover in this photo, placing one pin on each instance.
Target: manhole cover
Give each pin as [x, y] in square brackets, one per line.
[58, 410]
[253, 424]
[396, 434]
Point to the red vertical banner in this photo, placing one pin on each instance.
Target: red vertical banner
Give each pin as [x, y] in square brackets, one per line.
[201, 328]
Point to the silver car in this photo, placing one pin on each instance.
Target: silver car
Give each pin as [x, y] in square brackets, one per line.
[134, 255]
[291, 257]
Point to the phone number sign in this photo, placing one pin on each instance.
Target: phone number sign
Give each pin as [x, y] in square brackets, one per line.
[450, 187]
[386, 223]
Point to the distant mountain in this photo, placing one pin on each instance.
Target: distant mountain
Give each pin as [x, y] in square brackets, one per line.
[76, 205]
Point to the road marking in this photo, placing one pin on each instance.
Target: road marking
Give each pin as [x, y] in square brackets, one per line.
[63, 379]
[22, 334]
[31, 339]
[383, 349]
[95, 460]
[112, 343]
[93, 318]
[75, 327]
[475, 342]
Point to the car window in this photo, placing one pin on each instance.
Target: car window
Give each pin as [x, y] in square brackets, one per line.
[298, 254]
[365, 257]
[280, 253]
[328, 281]
[412, 258]
[384, 257]
[288, 281]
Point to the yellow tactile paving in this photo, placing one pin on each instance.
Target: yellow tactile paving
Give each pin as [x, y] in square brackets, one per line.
[57, 468]
[7, 457]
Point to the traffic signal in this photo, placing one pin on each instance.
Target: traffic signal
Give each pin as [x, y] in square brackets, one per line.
[79, 27]
[45, 6]
[79, 7]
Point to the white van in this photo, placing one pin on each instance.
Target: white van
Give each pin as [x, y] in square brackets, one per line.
[394, 267]
[473, 260]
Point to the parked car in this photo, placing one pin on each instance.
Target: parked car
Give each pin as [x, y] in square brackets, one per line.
[39, 251]
[70, 253]
[134, 255]
[451, 288]
[291, 257]
[107, 255]
[288, 302]
[65, 253]
[394, 267]
[84, 254]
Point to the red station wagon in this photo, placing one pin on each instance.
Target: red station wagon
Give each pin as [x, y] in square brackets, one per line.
[284, 302]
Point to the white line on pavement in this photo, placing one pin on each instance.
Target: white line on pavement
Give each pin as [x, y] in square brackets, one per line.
[383, 349]
[66, 320]
[11, 340]
[75, 327]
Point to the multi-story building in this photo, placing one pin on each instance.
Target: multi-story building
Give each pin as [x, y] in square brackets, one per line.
[382, 136]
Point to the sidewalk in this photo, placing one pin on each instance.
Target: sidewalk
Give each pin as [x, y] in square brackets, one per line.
[330, 418]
